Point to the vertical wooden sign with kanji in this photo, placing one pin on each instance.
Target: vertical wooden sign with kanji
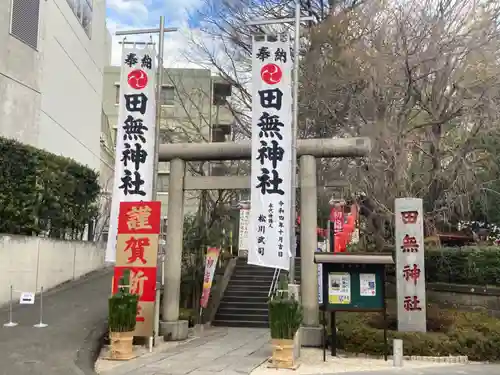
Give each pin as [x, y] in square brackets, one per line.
[137, 250]
[410, 266]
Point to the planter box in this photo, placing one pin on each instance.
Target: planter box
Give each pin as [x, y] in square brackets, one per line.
[286, 352]
[121, 348]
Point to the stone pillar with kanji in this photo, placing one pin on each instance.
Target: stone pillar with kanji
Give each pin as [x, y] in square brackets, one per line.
[410, 266]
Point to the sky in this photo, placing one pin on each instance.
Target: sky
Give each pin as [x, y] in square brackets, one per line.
[132, 14]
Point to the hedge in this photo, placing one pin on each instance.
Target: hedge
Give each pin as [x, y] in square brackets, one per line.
[466, 265]
[43, 192]
[473, 334]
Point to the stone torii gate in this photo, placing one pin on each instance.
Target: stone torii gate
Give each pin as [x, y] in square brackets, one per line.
[307, 151]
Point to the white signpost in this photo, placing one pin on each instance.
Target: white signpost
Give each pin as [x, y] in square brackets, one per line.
[410, 267]
[135, 140]
[270, 225]
[27, 298]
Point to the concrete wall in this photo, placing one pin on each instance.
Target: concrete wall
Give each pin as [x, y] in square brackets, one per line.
[28, 263]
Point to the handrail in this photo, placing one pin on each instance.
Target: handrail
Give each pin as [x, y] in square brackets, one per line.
[277, 280]
[272, 286]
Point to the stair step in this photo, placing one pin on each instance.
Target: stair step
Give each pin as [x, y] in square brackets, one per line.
[243, 305]
[248, 287]
[240, 323]
[243, 299]
[229, 310]
[232, 293]
[245, 271]
[250, 276]
[257, 283]
[240, 317]
[244, 276]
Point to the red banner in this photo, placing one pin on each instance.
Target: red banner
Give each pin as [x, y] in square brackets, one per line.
[137, 251]
[210, 265]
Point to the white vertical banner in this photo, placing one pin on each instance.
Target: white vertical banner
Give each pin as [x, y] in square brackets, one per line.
[269, 227]
[135, 139]
[243, 229]
[410, 265]
[321, 248]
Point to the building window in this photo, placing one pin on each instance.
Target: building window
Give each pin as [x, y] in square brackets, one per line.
[117, 89]
[83, 12]
[24, 21]
[167, 95]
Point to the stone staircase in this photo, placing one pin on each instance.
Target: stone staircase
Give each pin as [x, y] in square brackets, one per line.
[244, 303]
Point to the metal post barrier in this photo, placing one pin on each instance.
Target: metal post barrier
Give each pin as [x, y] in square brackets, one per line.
[41, 324]
[397, 353]
[10, 323]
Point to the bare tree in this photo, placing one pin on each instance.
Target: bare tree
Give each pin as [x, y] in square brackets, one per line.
[421, 79]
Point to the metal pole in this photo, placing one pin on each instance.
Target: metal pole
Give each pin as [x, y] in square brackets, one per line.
[10, 323]
[295, 130]
[159, 84]
[41, 324]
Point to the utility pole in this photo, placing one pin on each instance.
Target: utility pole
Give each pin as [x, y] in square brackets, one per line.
[296, 20]
[161, 30]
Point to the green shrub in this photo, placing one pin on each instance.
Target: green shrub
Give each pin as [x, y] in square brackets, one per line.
[43, 192]
[123, 307]
[466, 265]
[285, 317]
[285, 313]
[473, 334]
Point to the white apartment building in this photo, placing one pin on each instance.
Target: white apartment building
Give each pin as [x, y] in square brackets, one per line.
[52, 58]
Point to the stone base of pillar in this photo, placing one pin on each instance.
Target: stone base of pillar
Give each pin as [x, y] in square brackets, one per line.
[174, 331]
[311, 336]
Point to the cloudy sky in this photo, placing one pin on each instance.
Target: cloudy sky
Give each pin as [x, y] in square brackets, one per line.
[130, 14]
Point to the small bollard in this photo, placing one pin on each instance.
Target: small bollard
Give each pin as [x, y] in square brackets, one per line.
[397, 353]
[41, 324]
[10, 323]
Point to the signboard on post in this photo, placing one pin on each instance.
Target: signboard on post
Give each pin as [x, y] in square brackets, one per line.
[137, 248]
[410, 267]
[271, 170]
[353, 282]
[210, 265]
[135, 140]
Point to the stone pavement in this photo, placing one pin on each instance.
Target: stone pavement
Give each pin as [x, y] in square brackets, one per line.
[218, 351]
[76, 314]
[240, 351]
[468, 369]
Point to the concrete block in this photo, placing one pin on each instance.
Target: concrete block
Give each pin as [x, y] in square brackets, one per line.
[174, 331]
[311, 336]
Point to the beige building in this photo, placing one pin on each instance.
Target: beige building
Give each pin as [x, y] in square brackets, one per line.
[194, 109]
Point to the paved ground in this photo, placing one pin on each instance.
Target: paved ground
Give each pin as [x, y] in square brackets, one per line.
[75, 313]
[240, 351]
[219, 351]
[470, 369]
